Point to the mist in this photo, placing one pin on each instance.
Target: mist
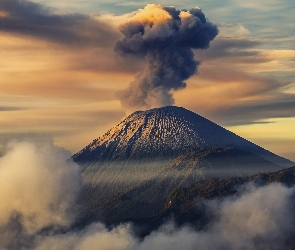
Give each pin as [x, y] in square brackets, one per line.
[256, 218]
[165, 37]
[38, 189]
[40, 186]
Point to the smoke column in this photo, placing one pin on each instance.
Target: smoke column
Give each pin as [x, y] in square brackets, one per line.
[165, 38]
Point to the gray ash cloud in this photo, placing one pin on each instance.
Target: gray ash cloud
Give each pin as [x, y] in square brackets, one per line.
[165, 37]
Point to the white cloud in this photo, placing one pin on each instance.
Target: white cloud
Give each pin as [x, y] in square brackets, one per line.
[259, 218]
[38, 185]
[94, 237]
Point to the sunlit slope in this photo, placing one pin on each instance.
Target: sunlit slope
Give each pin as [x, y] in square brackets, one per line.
[165, 148]
[164, 134]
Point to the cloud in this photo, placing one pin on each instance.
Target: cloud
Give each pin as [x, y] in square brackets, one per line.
[73, 126]
[38, 189]
[256, 218]
[233, 48]
[240, 81]
[260, 218]
[136, 4]
[3, 109]
[40, 186]
[165, 37]
[33, 19]
[273, 5]
[249, 113]
[33, 67]
[96, 236]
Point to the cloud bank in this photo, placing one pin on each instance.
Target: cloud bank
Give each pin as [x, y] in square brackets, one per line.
[36, 20]
[38, 189]
[40, 185]
[165, 37]
[257, 218]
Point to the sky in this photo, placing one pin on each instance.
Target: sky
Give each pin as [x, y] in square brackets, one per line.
[61, 75]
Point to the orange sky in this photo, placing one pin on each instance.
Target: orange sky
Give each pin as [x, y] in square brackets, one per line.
[51, 86]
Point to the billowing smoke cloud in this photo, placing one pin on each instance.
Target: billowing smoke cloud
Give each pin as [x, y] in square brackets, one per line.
[165, 37]
[38, 188]
[258, 218]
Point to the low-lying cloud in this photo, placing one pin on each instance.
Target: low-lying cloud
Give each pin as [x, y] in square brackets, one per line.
[38, 189]
[39, 186]
[257, 218]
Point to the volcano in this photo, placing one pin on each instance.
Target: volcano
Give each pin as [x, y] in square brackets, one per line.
[163, 134]
[169, 147]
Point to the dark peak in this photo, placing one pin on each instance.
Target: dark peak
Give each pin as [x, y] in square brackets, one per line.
[167, 110]
[171, 109]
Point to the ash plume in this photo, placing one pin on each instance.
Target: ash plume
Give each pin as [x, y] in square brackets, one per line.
[165, 38]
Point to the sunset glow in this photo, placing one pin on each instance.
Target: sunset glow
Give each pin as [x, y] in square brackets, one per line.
[63, 81]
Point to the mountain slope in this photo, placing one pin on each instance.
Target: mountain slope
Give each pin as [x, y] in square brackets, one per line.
[141, 168]
[150, 153]
[185, 204]
[166, 133]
